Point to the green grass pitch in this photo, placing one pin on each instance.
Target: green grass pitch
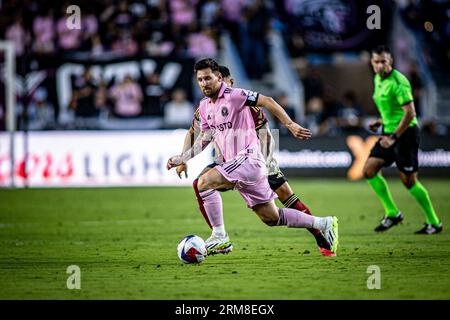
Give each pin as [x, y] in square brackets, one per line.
[124, 241]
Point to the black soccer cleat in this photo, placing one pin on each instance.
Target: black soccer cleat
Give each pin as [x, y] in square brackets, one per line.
[389, 222]
[324, 245]
[321, 241]
[430, 229]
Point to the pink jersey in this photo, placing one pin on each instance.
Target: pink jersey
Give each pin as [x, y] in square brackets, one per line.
[231, 120]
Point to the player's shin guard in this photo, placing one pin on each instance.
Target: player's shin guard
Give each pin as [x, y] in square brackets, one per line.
[294, 202]
[294, 218]
[211, 202]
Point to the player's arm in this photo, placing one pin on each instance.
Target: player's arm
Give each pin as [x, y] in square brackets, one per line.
[202, 141]
[189, 139]
[404, 97]
[192, 134]
[188, 143]
[408, 116]
[274, 108]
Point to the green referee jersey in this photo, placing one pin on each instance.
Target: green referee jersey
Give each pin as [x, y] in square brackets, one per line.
[390, 94]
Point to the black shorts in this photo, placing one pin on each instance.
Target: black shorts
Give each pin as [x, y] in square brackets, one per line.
[404, 152]
[275, 180]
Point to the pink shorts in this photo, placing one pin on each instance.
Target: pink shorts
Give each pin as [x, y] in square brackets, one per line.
[248, 172]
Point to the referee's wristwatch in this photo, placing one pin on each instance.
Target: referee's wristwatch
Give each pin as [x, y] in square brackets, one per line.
[394, 136]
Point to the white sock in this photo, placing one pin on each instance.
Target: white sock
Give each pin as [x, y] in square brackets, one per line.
[320, 223]
[219, 231]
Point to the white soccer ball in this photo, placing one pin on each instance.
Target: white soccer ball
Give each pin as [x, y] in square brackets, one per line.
[192, 249]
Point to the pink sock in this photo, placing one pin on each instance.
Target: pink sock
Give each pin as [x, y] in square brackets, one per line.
[294, 218]
[212, 202]
[200, 203]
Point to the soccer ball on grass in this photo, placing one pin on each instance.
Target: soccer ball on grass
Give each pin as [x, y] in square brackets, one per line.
[192, 249]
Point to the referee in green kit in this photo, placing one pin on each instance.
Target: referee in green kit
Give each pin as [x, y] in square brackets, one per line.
[399, 143]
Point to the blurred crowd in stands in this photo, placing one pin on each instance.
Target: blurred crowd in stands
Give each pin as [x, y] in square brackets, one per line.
[431, 21]
[129, 28]
[179, 29]
[130, 99]
[114, 28]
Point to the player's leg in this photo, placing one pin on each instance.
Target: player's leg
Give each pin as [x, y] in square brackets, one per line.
[213, 218]
[420, 193]
[407, 161]
[372, 174]
[247, 173]
[201, 203]
[213, 179]
[290, 200]
[280, 185]
[292, 218]
[210, 203]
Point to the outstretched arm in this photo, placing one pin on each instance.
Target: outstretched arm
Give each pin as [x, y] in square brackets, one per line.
[199, 145]
[274, 108]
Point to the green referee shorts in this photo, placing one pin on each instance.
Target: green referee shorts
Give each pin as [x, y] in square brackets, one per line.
[404, 152]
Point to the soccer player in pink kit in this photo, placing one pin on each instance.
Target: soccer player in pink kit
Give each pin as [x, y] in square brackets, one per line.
[211, 207]
[226, 119]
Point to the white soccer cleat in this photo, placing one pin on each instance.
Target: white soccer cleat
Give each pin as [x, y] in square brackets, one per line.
[330, 232]
[216, 244]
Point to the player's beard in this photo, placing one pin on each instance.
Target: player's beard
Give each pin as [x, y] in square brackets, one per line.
[209, 92]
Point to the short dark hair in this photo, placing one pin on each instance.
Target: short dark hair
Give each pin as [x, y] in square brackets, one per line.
[381, 49]
[224, 71]
[205, 64]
